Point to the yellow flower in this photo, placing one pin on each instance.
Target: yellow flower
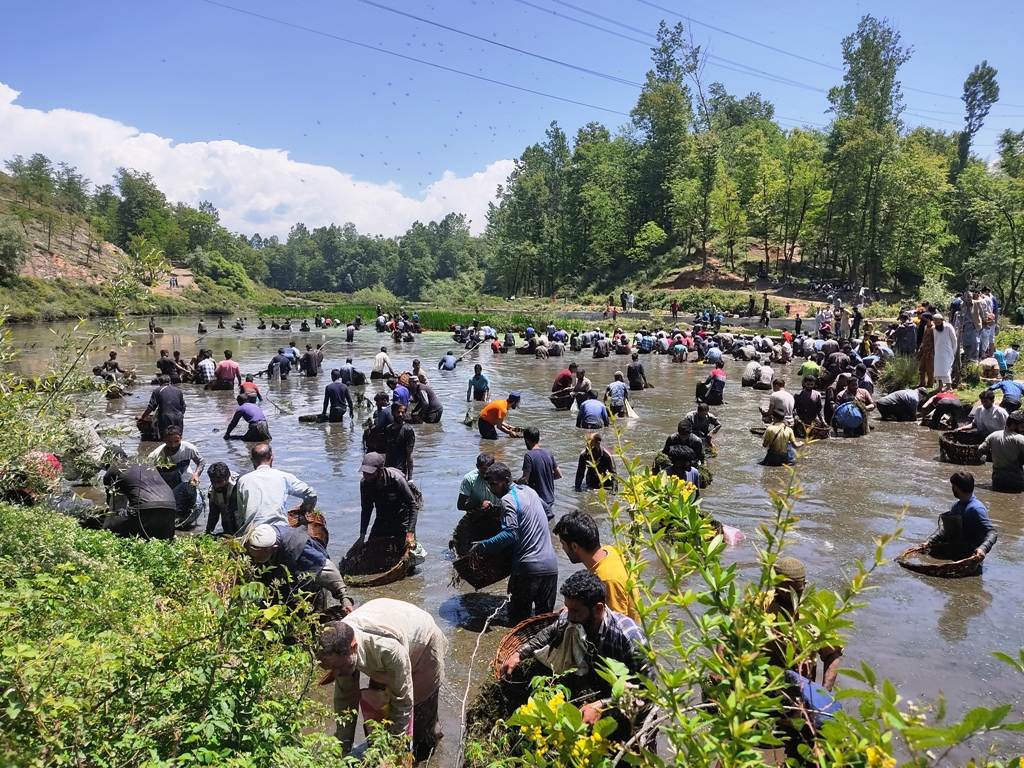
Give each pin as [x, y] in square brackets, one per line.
[879, 759]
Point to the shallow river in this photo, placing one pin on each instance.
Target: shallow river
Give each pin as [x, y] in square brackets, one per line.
[927, 635]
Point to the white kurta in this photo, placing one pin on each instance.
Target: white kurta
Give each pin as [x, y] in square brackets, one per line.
[945, 352]
[401, 647]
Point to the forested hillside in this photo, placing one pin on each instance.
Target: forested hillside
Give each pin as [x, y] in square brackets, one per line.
[698, 173]
[697, 179]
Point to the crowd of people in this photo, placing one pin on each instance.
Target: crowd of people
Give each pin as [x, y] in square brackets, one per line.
[398, 645]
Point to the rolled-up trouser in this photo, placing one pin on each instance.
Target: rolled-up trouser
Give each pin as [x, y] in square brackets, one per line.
[486, 429]
[530, 594]
[145, 524]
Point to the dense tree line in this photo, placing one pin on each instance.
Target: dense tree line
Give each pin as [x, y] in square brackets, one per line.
[698, 172]
[134, 214]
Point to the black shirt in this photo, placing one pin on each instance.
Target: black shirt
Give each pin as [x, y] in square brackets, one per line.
[336, 396]
[399, 440]
[168, 402]
[143, 486]
[166, 366]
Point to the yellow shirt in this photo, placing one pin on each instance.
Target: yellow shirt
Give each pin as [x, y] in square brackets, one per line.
[612, 571]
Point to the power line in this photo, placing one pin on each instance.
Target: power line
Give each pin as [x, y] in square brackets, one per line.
[714, 59]
[481, 38]
[406, 57]
[582, 22]
[738, 36]
[783, 51]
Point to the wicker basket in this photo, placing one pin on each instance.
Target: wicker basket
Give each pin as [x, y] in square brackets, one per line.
[479, 571]
[148, 431]
[960, 447]
[916, 559]
[313, 418]
[375, 562]
[818, 431]
[519, 635]
[314, 523]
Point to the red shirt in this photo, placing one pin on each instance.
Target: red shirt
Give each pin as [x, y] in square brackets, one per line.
[226, 370]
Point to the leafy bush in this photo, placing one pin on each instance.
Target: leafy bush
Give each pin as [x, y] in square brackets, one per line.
[12, 252]
[717, 677]
[935, 291]
[900, 372]
[121, 652]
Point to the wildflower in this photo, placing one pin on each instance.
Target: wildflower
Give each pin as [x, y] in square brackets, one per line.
[879, 759]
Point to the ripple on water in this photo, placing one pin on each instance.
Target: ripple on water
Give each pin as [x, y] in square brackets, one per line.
[923, 633]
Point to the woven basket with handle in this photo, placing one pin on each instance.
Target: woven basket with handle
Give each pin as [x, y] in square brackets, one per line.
[519, 635]
[961, 447]
[374, 562]
[916, 559]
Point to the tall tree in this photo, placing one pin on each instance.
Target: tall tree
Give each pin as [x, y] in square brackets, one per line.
[981, 91]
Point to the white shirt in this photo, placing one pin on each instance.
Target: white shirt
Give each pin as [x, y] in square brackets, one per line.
[766, 374]
[263, 493]
[782, 403]
[380, 361]
[1011, 355]
[988, 420]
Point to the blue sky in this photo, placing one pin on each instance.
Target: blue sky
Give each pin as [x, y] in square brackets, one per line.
[192, 71]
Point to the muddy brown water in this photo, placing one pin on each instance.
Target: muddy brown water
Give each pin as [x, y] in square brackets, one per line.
[928, 635]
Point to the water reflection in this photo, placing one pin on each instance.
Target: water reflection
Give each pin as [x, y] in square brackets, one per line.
[852, 491]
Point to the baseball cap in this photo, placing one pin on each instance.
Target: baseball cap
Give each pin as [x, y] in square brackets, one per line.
[372, 462]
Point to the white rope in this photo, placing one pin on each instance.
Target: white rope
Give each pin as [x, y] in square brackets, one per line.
[469, 681]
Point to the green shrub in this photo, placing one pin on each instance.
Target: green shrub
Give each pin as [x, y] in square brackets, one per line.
[901, 372]
[123, 652]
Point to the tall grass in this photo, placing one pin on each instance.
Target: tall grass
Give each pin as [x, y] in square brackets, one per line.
[901, 372]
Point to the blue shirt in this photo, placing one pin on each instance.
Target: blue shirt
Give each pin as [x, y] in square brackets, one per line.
[401, 395]
[592, 414]
[965, 527]
[479, 383]
[448, 363]
[524, 527]
[1013, 391]
[713, 355]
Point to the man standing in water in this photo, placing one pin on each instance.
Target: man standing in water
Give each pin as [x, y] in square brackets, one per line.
[258, 431]
[380, 363]
[168, 403]
[540, 470]
[264, 492]
[386, 491]
[965, 531]
[492, 417]
[524, 529]
[337, 398]
[479, 387]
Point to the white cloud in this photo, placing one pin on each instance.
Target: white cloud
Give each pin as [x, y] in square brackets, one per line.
[255, 190]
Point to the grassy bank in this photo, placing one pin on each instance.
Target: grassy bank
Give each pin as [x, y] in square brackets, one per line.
[30, 299]
[124, 652]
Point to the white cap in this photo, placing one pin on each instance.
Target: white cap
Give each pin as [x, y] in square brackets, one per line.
[262, 537]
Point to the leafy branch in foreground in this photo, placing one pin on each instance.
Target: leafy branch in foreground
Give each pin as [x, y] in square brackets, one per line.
[721, 648]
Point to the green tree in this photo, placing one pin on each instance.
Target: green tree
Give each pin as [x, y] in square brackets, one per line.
[981, 91]
[730, 220]
[1011, 153]
[661, 120]
[13, 249]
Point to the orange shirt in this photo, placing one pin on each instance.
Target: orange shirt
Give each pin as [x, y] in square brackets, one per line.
[249, 387]
[494, 412]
